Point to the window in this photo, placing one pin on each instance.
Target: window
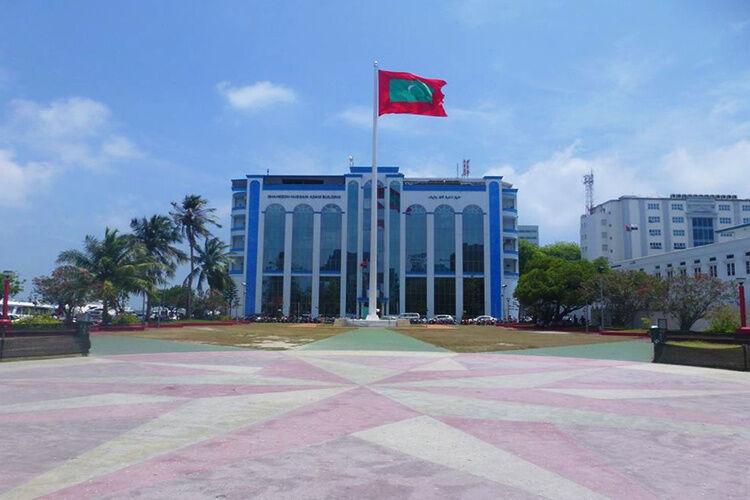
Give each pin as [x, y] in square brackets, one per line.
[445, 296]
[330, 239]
[416, 242]
[654, 232]
[273, 295]
[683, 271]
[445, 242]
[238, 222]
[328, 299]
[723, 207]
[653, 206]
[302, 243]
[696, 271]
[670, 273]
[727, 234]
[473, 297]
[725, 220]
[605, 248]
[380, 228]
[352, 231]
[604, 235]
[274, 224]
[746, 208]
[604, 222]
[394, 283]
[678, 220]
[678, 232]
[416, 295]
[712, 270]
[746, 220]
[678, 246]
[473, 240]
[657, 274]
[238, 201]
[655, 245]
[654, 219]
[300, 295]
[703, 231]
[747, 267]
[730, 268]
[238, 242]
[678, 206]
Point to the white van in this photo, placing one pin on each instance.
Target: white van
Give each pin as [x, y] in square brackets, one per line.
[409, 316]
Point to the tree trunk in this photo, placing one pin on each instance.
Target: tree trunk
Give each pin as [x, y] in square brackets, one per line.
[105, 312]
[147, 312]
[190, 277]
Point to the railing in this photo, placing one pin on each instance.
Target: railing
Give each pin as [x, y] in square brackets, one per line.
[666, 351]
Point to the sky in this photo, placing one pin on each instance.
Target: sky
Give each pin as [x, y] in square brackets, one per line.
[111, 110]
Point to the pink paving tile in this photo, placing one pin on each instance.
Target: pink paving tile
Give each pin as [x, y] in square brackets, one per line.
[631, 407]
[297, 368]
[550, 448]
[326, 420]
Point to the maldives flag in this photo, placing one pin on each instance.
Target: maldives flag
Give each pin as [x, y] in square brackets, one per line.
[411, 94]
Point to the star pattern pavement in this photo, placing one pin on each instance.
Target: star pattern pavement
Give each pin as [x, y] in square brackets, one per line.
[359, 424]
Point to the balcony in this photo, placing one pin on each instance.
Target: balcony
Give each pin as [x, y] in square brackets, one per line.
[238, 228]
[238, 206]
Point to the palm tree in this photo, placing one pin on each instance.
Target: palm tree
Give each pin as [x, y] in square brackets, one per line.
[193, 217]
[212, 266]
[118, 265]
[157, 235]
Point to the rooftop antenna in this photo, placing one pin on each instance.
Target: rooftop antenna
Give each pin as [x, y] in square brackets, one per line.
[268, 171]
[351, 161]
[467, 168]
[588, 181]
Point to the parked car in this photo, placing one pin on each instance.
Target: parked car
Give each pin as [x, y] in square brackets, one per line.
[483, 320]
[443, 319]
[413, 318]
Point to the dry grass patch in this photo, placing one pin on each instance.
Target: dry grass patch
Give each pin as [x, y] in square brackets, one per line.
[267, 336]
[467, 338]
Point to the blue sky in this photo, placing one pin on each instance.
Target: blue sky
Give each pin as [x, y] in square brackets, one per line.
[110, 110]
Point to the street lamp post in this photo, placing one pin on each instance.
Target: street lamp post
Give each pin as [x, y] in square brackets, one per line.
[601, 296]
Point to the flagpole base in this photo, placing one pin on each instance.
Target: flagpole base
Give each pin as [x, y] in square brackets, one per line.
[372, 317]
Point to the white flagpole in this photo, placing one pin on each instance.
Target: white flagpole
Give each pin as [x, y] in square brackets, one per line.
[372, 309]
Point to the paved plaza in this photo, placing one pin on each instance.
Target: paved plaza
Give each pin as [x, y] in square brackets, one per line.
[331, 423]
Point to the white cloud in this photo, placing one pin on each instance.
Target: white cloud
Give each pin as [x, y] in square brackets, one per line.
[76, 132]
[361, 116]
[551, 192]
[257, 95]
[20, 180]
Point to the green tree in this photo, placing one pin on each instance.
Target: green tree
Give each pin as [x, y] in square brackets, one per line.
[212, 266]
[194, 217]
[118, 266]
[553, 287]
[689, 298]
[16, 283]
[526, 252]
[158, 236]
[68, 287]
[723, 319]
[625, 293]
[563, 250]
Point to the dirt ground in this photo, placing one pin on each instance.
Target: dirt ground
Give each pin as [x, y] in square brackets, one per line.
[467, 338]
[268, 336]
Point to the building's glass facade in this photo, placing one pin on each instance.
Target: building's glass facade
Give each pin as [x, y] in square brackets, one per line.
[312, 247]
[703, 230]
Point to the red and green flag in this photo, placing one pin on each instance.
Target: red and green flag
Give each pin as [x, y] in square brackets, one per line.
[410, 94]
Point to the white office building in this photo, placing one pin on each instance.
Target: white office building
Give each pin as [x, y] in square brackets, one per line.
[301, 244]
[632, 227]
[529, 233]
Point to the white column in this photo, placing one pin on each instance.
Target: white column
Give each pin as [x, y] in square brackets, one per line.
[287, 262]
[402, 258]
[459, 266]
[342, 288]
[430, 264]
[315, 302]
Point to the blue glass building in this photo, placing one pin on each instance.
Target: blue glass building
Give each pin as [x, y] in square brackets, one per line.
[301, 244]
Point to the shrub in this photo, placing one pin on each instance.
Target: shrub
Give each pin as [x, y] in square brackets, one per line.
[723, 319]
[38, 319]
[224, 317]
[646, 322]
[125, 319]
